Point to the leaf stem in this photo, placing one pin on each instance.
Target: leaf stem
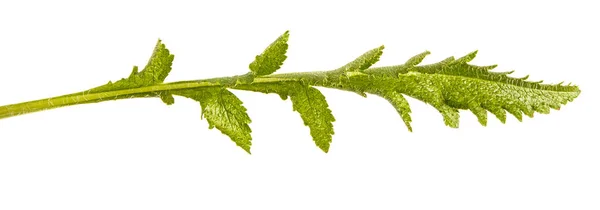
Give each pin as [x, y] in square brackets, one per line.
[84, 97]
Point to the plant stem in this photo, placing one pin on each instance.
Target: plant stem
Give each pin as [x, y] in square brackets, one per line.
[86, 97]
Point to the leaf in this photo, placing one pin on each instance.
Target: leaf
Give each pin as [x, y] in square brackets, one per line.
[451, 84]
[167, 99]
[272, 57]
[415, 60]
[515, 112]
[155, 72]
[450, 114]
[224, 111]
[392, 71]
[314, 110]
[401, 105]
[309, 102]
[498, 112]
[363, 61]
[467, 58]
[480, 113]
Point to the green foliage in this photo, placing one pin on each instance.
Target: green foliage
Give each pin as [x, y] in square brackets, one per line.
[455, 84]
[272, 57]
[155, 72]
[400, 104]
[449, 85]
[224, 111]
[309, 102]
[364, 61]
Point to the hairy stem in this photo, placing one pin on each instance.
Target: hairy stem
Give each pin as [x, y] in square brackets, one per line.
[414, 84]
[85, 97]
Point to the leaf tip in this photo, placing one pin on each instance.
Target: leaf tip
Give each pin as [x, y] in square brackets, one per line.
[247, 149]
[467, 58]
[134, 71]
[167, 99]
[417, 59]
[493, 66]
[286, 34]
[324, 148]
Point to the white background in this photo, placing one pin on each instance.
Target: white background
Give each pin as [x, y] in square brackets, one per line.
[141, 154]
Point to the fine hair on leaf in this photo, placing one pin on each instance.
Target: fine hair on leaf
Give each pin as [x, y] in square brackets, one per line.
[449, 85]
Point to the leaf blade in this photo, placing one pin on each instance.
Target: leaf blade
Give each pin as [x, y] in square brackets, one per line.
[155, 72]
[401, 105]
[224, 111]
[309, 102]
[363, 61]
[315, 112]
[271, 59]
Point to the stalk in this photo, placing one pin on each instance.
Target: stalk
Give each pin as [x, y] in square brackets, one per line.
[84, 97]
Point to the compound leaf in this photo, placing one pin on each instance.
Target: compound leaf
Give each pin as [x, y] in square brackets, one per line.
[449, 86]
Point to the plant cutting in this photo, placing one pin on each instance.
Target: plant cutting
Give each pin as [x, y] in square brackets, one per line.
[449, 85]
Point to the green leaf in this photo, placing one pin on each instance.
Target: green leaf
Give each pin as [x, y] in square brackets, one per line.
[363, 61]
[309, 102]
[498, 112]
[155, 72]
[393, 71]
[415, 60]
[167, 98]
[315, 112]
[224, 111]
[452, 84]
[480, 113]
[515, 111]
[401, 105]
[467, 58]
[272, 57]
[450, 114]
